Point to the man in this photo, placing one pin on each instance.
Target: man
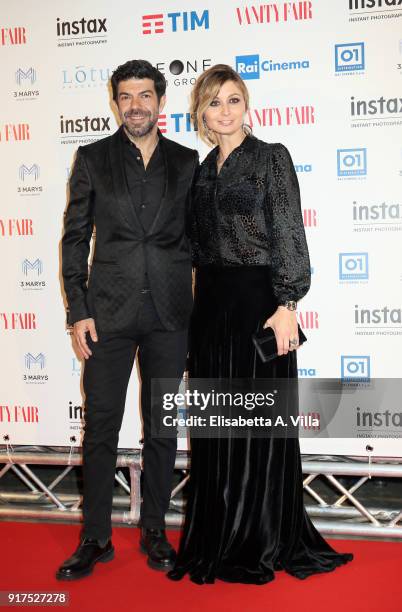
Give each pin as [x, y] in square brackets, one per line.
[134, 187]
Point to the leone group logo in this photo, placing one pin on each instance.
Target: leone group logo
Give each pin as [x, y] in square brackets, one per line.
[376, 112]
[275, 116]
[183, 71]
[11, 413]
[353, 266]
[352, 163]
[82, 130]
[25, 78]
[84, 77]
[14, 228]
[381, 10]
[274, 12]
[10, 321]
[355, 368]
[32, 271]
[383, 217]
[251, 67]
[14, 132]
[35, 373]
[12, 36]
[84, 31]
[350, 58]
[378, 321]
[183, 21]
[28, 176]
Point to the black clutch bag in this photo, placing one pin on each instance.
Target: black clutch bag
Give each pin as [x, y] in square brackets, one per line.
[265, 343]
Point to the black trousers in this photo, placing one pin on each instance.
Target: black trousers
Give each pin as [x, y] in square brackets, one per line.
[162, 354]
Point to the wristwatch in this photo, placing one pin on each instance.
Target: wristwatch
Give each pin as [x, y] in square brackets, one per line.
[290, 304]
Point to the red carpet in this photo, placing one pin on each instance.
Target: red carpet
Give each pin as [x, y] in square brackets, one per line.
[30, 554]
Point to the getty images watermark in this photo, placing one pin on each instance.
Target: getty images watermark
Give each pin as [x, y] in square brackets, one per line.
[277, 408]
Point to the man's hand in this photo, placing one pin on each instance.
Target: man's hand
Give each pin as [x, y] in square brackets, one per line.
[284, 324]
[80, 330]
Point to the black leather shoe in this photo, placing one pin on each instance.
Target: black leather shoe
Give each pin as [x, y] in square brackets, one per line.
[84, 559]
[161, 555]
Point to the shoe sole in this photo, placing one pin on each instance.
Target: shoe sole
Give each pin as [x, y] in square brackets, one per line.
[154, 564]
[108, 556]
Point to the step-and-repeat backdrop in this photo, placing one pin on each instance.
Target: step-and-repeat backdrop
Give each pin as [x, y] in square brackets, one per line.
[325, 80]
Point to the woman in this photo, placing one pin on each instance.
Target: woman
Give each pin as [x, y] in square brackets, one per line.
[245, 516]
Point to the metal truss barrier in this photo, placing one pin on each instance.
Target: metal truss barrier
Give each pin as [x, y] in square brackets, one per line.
[346, 516]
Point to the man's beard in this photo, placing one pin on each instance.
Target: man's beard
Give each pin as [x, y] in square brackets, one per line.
[140, 130]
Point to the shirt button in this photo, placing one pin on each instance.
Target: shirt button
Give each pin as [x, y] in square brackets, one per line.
[143, 205]
[138, 157]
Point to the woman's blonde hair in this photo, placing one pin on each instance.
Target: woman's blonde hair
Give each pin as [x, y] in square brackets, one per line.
[206, 88]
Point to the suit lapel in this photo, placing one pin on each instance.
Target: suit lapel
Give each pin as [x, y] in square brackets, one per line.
[171, 175]
[125, 205]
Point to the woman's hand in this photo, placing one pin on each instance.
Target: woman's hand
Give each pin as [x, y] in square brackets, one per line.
[284, 324]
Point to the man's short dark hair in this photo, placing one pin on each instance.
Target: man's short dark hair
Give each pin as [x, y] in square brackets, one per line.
[138, 69]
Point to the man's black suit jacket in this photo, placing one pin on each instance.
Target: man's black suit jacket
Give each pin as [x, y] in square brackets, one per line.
[123, 250]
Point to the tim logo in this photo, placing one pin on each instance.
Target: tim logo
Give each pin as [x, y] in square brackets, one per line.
[181, 122]
[352, 162]
[31, 361]
[25, 75]
[30, 171]
[349, 57]
[353, 266]
[158, 23]
[36, 266]
[355, 367]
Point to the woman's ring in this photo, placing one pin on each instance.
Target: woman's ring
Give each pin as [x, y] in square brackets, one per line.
[294, 342]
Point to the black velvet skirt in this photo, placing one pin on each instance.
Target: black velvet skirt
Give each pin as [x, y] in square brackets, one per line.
[245, 517]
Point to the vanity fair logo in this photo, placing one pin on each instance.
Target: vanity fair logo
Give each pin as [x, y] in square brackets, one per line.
[379, 217]
[378, 321]
[275, 116]
[12, 228]
[274, 12]
[83, 130]
[10, 321]
[308, 319]
[11, 413]
[183, 71]
[84, 31]
[163, 23]
[12, 36]
[14, 132]
[28, 176]
[310, 217]
[84, 77]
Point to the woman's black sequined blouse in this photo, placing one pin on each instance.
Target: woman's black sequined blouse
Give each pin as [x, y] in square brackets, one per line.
[250, 214]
